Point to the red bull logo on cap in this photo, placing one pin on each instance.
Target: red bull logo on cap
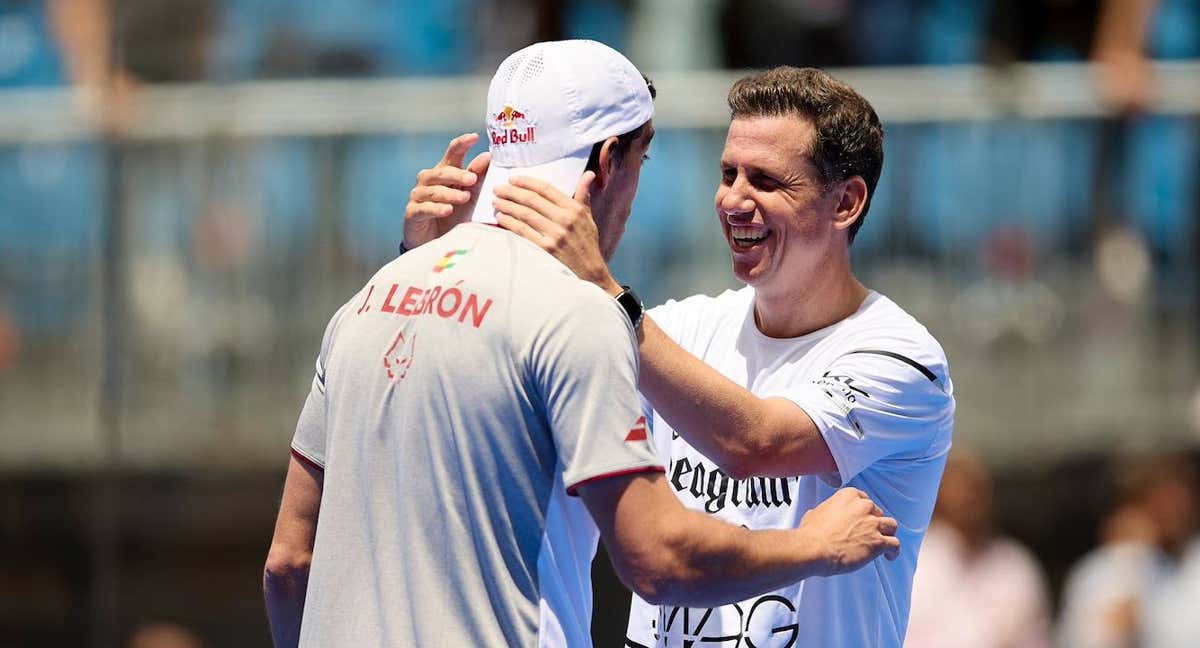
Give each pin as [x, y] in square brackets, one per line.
[511, 126]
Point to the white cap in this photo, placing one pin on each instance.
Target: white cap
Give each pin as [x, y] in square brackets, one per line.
[549, 104]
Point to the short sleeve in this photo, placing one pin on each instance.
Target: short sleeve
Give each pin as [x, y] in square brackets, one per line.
[682, 320]
[584, 363]
[873, 405]
[309, 439]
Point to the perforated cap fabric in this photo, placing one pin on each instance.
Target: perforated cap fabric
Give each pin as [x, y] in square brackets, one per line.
[549, 103]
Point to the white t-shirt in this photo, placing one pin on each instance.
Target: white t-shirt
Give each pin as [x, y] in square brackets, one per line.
[459, 398]
[878, 387]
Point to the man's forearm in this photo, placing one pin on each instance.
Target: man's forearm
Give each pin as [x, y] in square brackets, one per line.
[285, 576]
[746, 435]
[708, 409]
[284, 591]
[718, 563]
[671, 555]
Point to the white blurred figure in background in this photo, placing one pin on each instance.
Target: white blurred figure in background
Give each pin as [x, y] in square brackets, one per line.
[1171, 620]
[1125, 592]
[974, 588]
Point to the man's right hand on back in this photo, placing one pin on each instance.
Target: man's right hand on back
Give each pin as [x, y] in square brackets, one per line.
[851, 531]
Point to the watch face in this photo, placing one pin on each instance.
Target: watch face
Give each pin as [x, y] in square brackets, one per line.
[632, 305]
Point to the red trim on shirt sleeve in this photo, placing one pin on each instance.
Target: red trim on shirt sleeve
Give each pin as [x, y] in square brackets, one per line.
[307, 461]
[573, 489]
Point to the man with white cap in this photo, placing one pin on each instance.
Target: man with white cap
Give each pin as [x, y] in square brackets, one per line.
[473, 386]
[766, 400]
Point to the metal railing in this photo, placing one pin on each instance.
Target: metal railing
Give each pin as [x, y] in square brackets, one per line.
[129, 385]
[917, 94]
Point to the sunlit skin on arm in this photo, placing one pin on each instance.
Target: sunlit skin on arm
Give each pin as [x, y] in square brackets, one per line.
[671, 555]
[285, 575]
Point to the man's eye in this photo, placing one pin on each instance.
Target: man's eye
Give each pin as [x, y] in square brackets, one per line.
[645, 158]
[764, 182]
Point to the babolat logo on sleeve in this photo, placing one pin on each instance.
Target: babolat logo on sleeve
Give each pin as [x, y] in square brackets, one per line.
[511, 126]
[843, 392]
[638, 431]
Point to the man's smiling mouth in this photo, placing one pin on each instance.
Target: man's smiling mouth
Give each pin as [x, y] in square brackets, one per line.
[746, 237]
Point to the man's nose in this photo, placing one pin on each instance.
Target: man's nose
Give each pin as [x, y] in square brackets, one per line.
[735, 203]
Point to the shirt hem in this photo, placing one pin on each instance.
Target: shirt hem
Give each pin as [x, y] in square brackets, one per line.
[304, 458]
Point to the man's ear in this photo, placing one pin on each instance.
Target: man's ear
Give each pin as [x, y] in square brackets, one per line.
[852, 200]
[608, 163]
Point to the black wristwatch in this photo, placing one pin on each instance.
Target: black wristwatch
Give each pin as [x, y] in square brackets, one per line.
[632, 305]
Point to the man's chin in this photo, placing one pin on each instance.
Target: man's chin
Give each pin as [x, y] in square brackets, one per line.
[747, 275]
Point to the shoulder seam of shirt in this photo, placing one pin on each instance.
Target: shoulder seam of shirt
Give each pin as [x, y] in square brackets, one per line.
[925, 371]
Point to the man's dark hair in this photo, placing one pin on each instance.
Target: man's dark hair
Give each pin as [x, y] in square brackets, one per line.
[624, 141]
[849, 138]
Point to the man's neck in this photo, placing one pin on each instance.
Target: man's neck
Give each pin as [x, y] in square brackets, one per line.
[806, 307]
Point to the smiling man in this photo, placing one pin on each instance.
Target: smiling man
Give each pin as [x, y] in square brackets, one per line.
[767, 399]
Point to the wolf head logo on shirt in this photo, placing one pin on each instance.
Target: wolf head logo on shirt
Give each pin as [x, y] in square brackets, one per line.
[398, 358]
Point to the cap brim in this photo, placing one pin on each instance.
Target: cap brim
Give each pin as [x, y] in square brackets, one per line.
[564, 173]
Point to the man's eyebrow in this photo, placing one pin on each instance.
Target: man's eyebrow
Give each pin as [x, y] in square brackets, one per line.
[752, 168]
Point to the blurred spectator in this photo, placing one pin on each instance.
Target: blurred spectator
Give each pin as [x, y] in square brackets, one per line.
[1120, 52]
[112, 46]
[163, 41]
[1112, 591]
[1171, 620]
[1145, 165]
[974, 588]
[1010, 306]
[83, 30]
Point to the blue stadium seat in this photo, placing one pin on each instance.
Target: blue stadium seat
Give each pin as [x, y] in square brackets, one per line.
[50, 233]
[28, 54]
[286, 178]
[605, 21]
[674, 204]
[1163, 158]
[1161, 171]
[386, 38]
